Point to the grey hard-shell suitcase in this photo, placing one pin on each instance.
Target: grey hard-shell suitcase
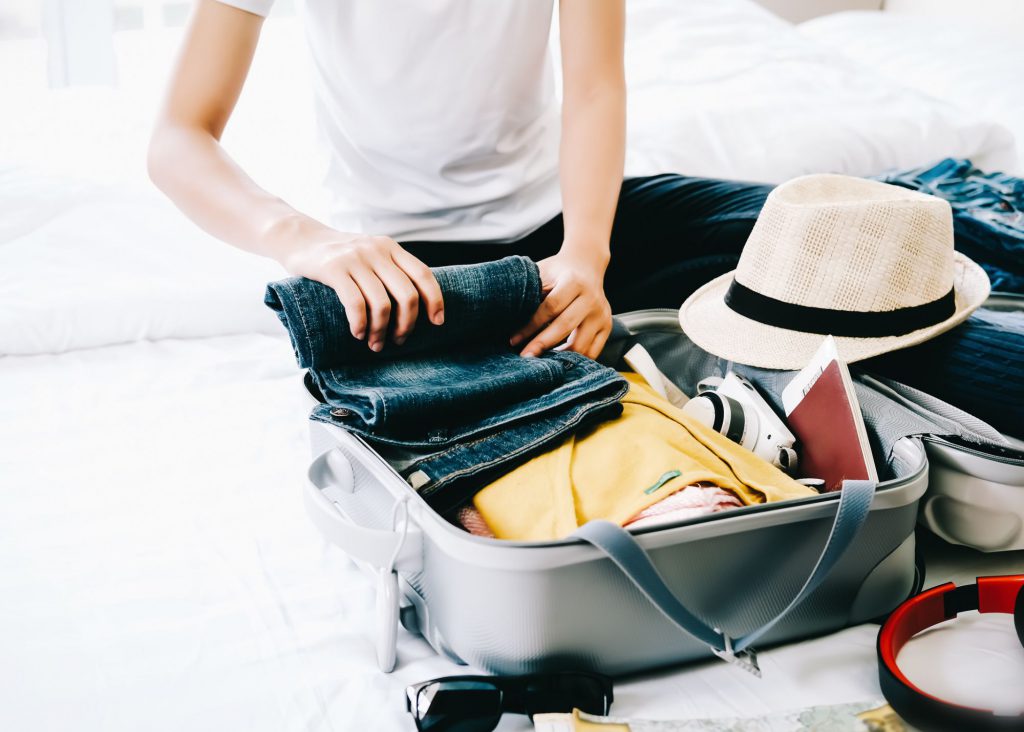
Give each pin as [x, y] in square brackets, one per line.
[518, 607]
[976, 498]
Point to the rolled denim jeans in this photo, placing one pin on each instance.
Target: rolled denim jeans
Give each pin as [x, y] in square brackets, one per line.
[483, 305]
[456, 401]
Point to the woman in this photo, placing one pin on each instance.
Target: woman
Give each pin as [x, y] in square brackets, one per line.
[444, 138]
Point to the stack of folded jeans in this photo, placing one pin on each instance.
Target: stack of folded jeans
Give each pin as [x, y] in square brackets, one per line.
[454, 406]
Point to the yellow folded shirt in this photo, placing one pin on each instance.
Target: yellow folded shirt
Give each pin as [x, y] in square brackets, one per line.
[605, 472]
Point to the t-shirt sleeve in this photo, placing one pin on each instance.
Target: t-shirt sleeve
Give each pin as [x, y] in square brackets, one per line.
[259, 7]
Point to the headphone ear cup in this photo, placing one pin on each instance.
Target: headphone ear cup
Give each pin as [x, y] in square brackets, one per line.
[1018, 615]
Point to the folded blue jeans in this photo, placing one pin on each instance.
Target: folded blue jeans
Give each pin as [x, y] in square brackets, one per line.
[455, 400]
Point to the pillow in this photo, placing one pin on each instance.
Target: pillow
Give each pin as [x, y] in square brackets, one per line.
[724, 88]
[86, 264]
[91, 254]
[980, 71]
[28, 199]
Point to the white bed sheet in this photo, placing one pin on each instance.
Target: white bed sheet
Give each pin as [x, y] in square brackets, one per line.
[973, 63]
[157, 571]
[723, 88]
[86, 264]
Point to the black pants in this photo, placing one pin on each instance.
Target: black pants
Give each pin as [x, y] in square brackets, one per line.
[671, 234]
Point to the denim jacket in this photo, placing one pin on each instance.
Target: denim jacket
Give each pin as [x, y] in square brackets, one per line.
[455, 402]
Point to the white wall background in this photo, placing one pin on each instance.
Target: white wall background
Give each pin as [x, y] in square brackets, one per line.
[76, 44]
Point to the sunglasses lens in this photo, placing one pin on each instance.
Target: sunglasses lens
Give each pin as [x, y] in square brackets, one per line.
[458, 706]
[563, 693]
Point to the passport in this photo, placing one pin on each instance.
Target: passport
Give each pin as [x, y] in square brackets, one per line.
[823, 412]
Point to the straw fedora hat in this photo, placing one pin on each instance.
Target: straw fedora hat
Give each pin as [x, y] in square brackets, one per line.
[870, 263]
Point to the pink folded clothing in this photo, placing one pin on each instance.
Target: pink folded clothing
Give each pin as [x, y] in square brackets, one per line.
[692, 501]
[689, 502]
[472, 521]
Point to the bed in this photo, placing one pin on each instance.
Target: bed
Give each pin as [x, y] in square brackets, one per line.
[156, 568]
[970, 73]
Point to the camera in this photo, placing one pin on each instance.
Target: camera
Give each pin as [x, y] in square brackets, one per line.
[733, 407]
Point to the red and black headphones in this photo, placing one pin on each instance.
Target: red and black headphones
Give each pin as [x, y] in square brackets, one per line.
[931, 607]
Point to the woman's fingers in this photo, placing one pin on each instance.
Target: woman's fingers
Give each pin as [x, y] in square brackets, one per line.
[425, 283]
[379, 284]
[378, 305]
[550, 308]
[582, 338]
[355, 306]
[599, 342]
[557, 330]
[590, 336]
[404, 297]
[392, 282]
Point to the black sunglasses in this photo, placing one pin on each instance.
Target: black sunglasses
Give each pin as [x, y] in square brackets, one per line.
[476, 703]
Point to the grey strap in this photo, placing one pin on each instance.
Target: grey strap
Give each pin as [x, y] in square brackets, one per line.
[620, 546]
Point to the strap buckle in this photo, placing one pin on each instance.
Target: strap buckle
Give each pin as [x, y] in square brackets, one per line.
[745, 659]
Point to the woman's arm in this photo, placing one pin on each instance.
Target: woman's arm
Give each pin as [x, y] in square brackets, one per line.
[591, 160]
[187, 162]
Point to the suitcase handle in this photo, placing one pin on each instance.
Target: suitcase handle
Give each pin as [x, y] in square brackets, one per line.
[387, 551]
[625, 551]
[376, 547]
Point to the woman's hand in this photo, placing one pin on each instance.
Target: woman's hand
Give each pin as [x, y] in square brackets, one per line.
[377, 281]
[574, 305]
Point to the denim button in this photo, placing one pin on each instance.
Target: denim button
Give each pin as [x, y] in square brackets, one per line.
[341, 412]
[568, 365]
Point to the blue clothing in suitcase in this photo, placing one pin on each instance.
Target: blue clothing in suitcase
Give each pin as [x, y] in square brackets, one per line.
[455, 401]
[977, 366]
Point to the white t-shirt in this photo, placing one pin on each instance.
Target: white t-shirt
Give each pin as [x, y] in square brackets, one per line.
[440, 115]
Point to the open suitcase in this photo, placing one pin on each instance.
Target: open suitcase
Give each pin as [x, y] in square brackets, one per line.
[976, 498]
[513, 607]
